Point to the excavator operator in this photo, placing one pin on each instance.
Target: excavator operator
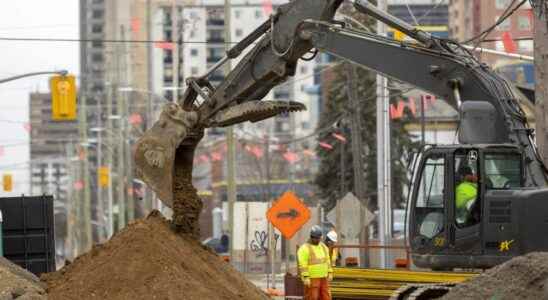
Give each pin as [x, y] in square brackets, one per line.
[465, 195]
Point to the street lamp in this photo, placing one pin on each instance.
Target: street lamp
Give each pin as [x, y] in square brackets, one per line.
[59, 72]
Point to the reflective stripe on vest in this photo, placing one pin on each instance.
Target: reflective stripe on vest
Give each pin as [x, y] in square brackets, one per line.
[313, 260]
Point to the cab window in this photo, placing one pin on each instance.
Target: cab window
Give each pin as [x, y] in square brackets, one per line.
[502, 171]
[429, 207]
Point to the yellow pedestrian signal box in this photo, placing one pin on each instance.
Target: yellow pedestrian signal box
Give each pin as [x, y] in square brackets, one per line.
[7, 182]
[63, 98]
[104, 176]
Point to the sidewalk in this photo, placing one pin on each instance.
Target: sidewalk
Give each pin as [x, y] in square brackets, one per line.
[261, 281]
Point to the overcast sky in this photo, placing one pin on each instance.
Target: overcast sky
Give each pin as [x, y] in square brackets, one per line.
[30, 18]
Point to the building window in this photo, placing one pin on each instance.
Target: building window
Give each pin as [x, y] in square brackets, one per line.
[524, 23]
[239, 32]
[502, 4]
[504, 25]
[97, 28]
[526, 46]
[97, 57]
[237, 14]
[192, 34]
[97, 14]
[97, 44]
[258, 14]
[194, 52]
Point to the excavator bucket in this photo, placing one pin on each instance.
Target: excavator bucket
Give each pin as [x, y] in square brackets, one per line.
[155, 150]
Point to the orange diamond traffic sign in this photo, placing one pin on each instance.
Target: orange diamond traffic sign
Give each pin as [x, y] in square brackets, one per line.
[288, 214]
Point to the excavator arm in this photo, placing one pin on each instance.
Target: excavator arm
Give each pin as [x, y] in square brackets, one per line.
[439, 66]
[275, 50]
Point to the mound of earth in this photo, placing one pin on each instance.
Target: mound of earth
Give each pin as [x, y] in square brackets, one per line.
[523, 277]
[18, 283]
[147, 260]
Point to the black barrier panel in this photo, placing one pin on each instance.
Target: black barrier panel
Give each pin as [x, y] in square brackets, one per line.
[28, 232]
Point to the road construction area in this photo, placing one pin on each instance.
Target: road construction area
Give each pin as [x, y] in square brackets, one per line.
[147, 260]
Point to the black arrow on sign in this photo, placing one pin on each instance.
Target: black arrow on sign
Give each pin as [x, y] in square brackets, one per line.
[291, 214]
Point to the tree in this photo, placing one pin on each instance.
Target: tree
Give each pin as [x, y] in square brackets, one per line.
[337, 108]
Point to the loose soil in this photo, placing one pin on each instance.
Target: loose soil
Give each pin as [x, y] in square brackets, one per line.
[187, 206]
[147, 260]
[523, 277]
[17, 283]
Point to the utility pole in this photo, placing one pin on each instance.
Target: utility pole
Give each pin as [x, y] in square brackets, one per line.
[231, 147]
[150, 86]
[69, 205]
[120, 151]
[86, 209]
[108, 160]
[176, 50]
[270, 232]
[99, 188]
[124, 122]
[357, 156]
[338, 212]
[541, 77]
[383, 153]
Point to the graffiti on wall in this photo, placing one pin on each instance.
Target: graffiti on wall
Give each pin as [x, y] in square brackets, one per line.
[259, 244]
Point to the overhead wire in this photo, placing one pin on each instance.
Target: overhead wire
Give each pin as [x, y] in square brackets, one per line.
[505, 15]
[78, 40]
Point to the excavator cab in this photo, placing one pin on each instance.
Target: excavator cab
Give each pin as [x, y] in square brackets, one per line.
[461, 206]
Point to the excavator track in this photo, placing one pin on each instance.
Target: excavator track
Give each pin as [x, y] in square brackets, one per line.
[421, 291]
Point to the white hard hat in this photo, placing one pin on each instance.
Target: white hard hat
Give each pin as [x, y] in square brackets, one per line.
[332, 235]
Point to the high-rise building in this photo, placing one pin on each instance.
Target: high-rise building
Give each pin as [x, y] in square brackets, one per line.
[115, 93]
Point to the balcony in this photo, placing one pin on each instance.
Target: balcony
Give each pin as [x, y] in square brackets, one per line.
[215, 22]
[213, 59]
[214, 39]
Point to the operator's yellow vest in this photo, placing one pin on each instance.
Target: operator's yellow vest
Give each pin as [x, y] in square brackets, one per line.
[314, 260]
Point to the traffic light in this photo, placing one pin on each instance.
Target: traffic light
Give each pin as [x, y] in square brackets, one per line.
[104, 176]
[7, 182]
[63, 98]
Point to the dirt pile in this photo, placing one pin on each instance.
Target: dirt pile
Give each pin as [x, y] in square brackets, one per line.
[147, 260]
[17, 283]
[524, 277]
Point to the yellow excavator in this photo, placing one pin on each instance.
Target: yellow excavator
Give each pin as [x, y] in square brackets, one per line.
[510, 210]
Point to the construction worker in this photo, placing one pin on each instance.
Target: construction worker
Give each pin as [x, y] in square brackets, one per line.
[465, 195]
[315, 267]
[330, 241]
